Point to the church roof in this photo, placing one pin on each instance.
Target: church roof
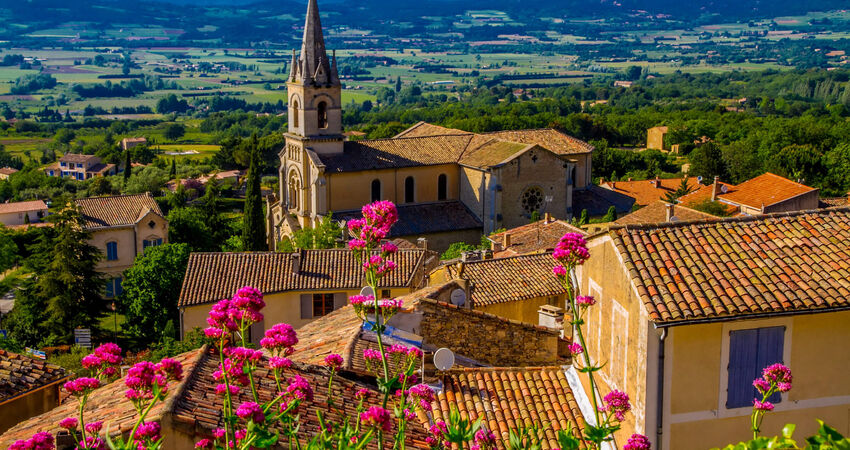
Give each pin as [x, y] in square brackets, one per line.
[425, 218]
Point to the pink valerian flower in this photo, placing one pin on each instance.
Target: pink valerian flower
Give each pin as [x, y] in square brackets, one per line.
[93, 443]
[204, 444]
[219, 433]
[388, 248]
[585, 301]
[575, 349]
[39, 441]
[372, 355]
[421, 395]
[149, 431]
[762, 385]
[171, 368]
[376, 417]
[637, 442]
[243, 355]
[361, 394]
[223, 316]
[222, 389]
[617, 402]
[485, 439]
[104, 361]
[248, 297]
[382, 214]
[280, 339]
[778, 375]
[571, 250]
[251, 411]
[214, 333]
[278, 363]
[334, 361]
[69, 423]
[232, 371]
[299, 388]
[82, 386]
[94, 427]
[560, 271]
[145, 377]
[361, 299]
[357, 244]
[762, 406]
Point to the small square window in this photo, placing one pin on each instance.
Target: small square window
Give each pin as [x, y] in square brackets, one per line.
[323, 304]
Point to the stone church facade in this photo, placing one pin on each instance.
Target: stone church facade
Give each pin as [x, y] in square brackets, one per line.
[450, 185]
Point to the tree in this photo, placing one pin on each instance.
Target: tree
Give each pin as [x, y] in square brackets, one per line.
[611, 215]
[398, 84]
[326, 234]
[707, 162]
[174, 131]
[189, 226]
[253, 225]
[128, 166]
[65, 291]
[683, 189]
[151, 287]
[64, 136]
[172, 174]
[8, 249]
[455, 250]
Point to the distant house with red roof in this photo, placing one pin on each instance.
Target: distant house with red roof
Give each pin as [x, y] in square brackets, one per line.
[20, 213]
[648, 191]
[767, 193]
[535, 237]
[6, 172]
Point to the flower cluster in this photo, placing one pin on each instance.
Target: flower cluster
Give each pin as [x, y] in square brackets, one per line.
[484, 440]
[437, 439]
[421, 395]
[377, 418]
[39, 441]
[105, 361]
[334, 362]
[575, 349]
[235, 314]
[637, 442]
[251, 411]
[617, 403]
[280, 339]
[149, 381]
[82, 387]
[571, 251]
[365, 305]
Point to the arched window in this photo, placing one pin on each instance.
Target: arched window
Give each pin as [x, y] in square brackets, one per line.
[442, 187]
[295, 113]
[111, 251]
[376, 190]
[322, 109]
[408, 190]
[294, 189]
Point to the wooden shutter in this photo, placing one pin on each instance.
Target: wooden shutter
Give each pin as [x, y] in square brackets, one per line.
[770, 346]
[743, 349]
[306, 306]
[340, 300]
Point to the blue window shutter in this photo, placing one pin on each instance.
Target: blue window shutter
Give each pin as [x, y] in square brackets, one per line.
[119, 288]
[743, 348]
[110, 290]
[770, 346]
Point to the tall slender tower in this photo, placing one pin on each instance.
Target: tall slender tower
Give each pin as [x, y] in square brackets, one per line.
[315, 97]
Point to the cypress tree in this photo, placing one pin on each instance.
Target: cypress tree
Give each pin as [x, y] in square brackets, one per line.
[253, 225]
[172, 174]
[128, 166]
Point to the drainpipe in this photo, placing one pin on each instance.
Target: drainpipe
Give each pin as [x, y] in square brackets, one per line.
[660, 406]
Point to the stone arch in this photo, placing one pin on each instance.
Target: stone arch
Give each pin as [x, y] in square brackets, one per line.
[322, 115]
[293, 189]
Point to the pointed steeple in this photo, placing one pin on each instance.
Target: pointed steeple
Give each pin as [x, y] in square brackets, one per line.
[314, 58]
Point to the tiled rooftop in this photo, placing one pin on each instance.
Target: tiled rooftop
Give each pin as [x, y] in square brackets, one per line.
[33, 205]
[426, 218]
[538, 236]
[77, 158]
[116, 210]
[7, 170]
[648, 191]
[765, 190]
[597, 200]
[213, 276]
[509, 279]
[656, 212]
[505, 398]
[722, 269]
[20, 374]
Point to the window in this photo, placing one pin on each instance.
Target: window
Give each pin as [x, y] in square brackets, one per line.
[114, 287]
[409, 186]
[323, 304]
[749, 352]
[151, 242]
[295, 113]
[442, 187]
[385, 293]
[322, 111]
[532, 199]
[111, 251]
[294, 189]
[376, 190]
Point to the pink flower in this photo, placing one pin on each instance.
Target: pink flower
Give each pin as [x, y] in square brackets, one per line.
[39, 441]
[439, 429]
[762, 385]
[388, 248]
[421, 395]
[300, 389]
[277, 362]
[361, 299]
[214, 333]
[69, 423]
[280, 339]
[617, 402]
[485, 438]
[361, 394]
[571, 250]
[93, 443]
[94, 427]
[575, 348]
[376, 417]
[221, 389]
[219, 433]
[334, 361]
[372, 355]
[762, 406]
[559, 270]
[81, 386]
[171, 368]
[357, 244]
[204, 444]
[778, 374]
[251, 411]
[637, 442]
[148, 431]
[585, 300]
[414, 352]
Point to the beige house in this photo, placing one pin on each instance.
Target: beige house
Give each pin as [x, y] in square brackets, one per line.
[122, 227]
[513, 287]
[128, 143]
[766, 193]
[689, 313]
[79, 167]
[483, 181]
[20, 213]
[655, 138]
[28, 387]
[6, 172]
[299, 287]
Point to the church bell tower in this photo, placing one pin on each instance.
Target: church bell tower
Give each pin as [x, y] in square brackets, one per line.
[314, 92]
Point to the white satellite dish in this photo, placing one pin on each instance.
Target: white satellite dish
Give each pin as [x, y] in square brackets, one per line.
[458, 297]
[699, 179]
[367, 291]
[724, 189]
[444, 359]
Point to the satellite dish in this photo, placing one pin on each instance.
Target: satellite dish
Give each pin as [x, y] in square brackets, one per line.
[724, 189]
[458, 297]
[699, 179]
[674, 219]
[367, 291]
[444, 359]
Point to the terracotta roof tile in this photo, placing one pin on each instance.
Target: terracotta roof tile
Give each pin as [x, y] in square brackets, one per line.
[116, 210]
[765, 190]
[425, 218]
[20, 374]
[77, 158]
[533, 237]
[33, 205]
[656, 212]
[554, 140]
[647, 191]
[7, 170]
[721, 269]
[505, 398]
[509, 279]
[213, 276]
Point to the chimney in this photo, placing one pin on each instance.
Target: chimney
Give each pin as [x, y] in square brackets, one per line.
[296, 261]
[422, 243]
[601, 181]
[547, 218]
[506, 240]
[657, 182]
[714, 189]
[550, 316]
[669, 215]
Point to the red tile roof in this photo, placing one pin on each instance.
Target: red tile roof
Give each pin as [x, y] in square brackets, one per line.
[213, 276]
[77, 158]
[118, 210]
[425, 218]
[647, 191]
[538, 236]
[509, 279]
[7, 170]
[33, 205]
[21, 374]
[506, 398]
[739, 267]
[656, 212]
[765, 190]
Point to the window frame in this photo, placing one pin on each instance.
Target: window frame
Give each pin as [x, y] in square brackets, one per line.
[323, 298]
[110, 257]
[409, 191]
[442, 187]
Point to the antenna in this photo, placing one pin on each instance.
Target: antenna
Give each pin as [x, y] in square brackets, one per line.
[458, 297]
[444, 359]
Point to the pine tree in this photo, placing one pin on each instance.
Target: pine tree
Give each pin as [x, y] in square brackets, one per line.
[253, 225]
[128, 167]
[398, 84]
[172, 174]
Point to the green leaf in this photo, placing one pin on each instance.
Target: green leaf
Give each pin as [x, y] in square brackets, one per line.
[788, 430]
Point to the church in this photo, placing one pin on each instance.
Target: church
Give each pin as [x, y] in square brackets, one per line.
[450, 185]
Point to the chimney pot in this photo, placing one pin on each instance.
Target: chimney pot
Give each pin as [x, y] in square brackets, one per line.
[422, 243]
[657, 182]
[547, 218]
[714, 189]
[550, 316]
[296, 262]
[506, 240]
[669, 214]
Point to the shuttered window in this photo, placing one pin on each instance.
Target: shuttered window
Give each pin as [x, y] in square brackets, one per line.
[750, 351]
[111, 251]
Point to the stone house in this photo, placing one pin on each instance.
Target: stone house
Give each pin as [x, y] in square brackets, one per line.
[28, 387]
[122, 227]
[766, 193]
[536, 237]
[79, 167]
[655, 138]
[513, 287]
[485, 180]
[128, 143]
[299, 286]
[688, 314]
[20, 213]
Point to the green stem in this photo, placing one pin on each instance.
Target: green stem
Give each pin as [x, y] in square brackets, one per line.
[227, 400]
[571, 296]
[143, 415]
[82, 422]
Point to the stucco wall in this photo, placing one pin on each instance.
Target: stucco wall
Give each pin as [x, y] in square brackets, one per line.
[803, 202]
[522, 310]
[352, 190]
[440, 242]
[472, 190]
[129, 240]
[30, 405]
[17, 218]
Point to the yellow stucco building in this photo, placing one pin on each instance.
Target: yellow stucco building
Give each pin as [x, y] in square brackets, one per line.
[688, 314]
[451, 185]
